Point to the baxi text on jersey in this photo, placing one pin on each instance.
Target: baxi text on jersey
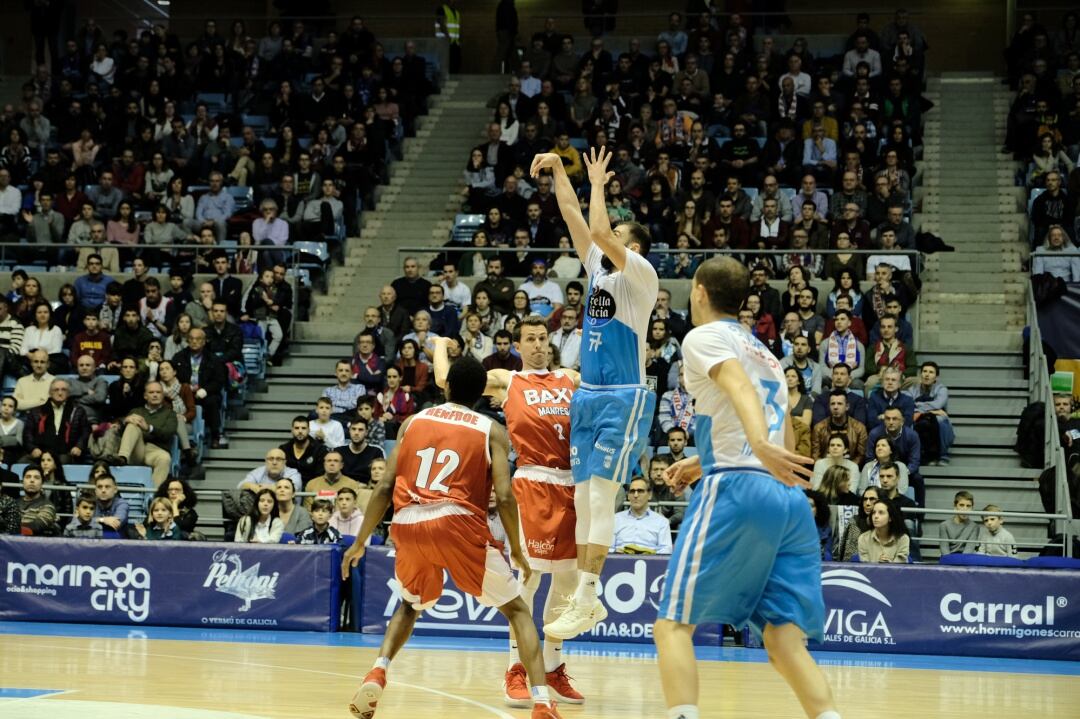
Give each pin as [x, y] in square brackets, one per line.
[561, 395]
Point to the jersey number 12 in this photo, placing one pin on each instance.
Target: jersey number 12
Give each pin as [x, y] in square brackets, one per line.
[448, 460]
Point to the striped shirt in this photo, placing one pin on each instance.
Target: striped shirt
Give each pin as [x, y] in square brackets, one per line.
[344, 400]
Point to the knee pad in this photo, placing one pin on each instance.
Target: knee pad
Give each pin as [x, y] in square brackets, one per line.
[602, 494]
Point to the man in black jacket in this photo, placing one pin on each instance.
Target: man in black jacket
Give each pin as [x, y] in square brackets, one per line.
[304, 453]
[41, 434]
[223, 338]
[227, 289]
[206, 374]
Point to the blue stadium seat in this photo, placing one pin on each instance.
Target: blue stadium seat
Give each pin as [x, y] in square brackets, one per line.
[269, 142]
[286, 538]
[244, 197]
[1035, 192]
[258, 123]
[215, 101]
[980, 560]
[465, 226]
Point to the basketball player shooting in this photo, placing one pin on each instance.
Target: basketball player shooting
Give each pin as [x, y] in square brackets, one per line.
[611, 412]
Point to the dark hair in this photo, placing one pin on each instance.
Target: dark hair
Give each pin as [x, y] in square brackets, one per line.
[347, 490]
[47, 306]
[503, 334]
[843, 440]
[725, 280]
[575, 285]
[367, 400]
[86, 497]
[929, 363]
[300, 418]
[190, 498]
[113, 288]
[842, 312]
[676, 429]
[465, 382]
[640, 234]
[321, 503]
[862, 518]
[821, 507]
[897, 528]
[889, 465]
[254, 516]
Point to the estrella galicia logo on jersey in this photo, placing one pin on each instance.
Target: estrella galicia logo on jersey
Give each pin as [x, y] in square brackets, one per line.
[601, 309]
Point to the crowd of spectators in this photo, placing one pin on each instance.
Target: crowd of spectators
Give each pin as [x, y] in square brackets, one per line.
[1043, 133]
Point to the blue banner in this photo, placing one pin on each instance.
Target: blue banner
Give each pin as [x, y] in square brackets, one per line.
[195, 584]
[968, 611]
[630, 587]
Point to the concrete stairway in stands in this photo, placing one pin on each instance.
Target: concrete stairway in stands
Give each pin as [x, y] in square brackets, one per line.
[972, 309]
[416, 209]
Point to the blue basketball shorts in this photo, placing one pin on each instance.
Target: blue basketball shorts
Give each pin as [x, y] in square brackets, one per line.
[609, 431]
[747, 554]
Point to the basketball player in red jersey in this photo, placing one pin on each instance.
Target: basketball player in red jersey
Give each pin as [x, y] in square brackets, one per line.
[537, 407]
[440, 476]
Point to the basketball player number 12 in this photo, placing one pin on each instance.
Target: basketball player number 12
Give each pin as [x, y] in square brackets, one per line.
[448, 460]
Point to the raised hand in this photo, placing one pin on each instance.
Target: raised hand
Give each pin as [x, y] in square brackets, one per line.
[544, 160]
[596, 163]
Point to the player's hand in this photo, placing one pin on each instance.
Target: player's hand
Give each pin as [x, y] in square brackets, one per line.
[522, 564]
[352, 557]
[683, 473]
[791, 469]
[544, 161]
[596, 162]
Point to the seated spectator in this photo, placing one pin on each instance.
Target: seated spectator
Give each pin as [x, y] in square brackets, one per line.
[884, 453]
[931, 417]
[160, 523]
[126, 392]
[811, 372]
[347, 516]
[886, 396]
[182, 500]
[32, 390]
[215, 207]
[840, 379]
[320, 531]
[205, 373]
[148, 433]
[323, 214]
[394, 404]
[836, 455]
[413, 368]
[11, 429]
[262, 525]
[325, 429]
[819, 507]
[273, 469]
[93, 342]
[303, 452]
[848, 546]
[661, 492]
[294, 517]
[840, 422]
[38, 513]
[545, 295]
[820, 155]
[567, 339]
[639, 530]
[422, 337]
[994, 539]
[345, 393]
[385, 341]
[182, 400]
[842, 347]
[444, 317]
[904, 330]
[836, 486]
[83, 525]
[476, 343]
[327, 484]
[1047, 257]
[59, 427]
[888, 540]
[111, 511]
[676, 445]
[502, 357]
[906, 445]
[676, 408]
[358, 454]
[958, 533]
[132, 338]
[843, 302]
[367, 367]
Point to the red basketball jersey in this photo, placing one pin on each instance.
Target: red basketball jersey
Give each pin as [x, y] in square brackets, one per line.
[537, 411]
[442, 456]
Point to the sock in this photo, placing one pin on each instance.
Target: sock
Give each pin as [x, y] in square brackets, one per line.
[586, 589]
[684, 711]
[552, 654]
[382, 663]
[540, 696]
[829, 715]
[514, 657]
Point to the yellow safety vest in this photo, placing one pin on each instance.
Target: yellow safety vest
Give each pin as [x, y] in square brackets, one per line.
[453, 23]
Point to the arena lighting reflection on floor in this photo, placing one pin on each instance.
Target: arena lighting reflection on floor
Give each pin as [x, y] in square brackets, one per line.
[629, 652]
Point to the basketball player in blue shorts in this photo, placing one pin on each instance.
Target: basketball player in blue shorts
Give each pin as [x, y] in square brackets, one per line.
[612, 410]
[748, 549]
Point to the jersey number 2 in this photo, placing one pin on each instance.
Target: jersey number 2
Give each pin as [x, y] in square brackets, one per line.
[448, 460]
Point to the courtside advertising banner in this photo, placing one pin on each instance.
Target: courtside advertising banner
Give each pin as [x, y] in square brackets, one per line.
[630, 589]
[972, 611]
[194, 584]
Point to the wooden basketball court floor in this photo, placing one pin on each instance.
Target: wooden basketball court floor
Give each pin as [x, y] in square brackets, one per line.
[96, 672]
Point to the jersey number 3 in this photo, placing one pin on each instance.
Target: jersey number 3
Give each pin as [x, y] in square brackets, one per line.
[774, 413]
[448, 460]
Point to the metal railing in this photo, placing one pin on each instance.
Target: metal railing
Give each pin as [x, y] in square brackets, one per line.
[1039, 390]
[26, 255]
[951, 512]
